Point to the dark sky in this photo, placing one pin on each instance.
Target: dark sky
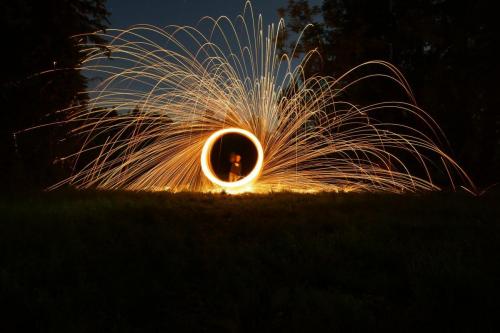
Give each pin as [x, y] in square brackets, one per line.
[185, 12]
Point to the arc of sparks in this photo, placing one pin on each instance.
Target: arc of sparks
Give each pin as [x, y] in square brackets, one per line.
[167, 94]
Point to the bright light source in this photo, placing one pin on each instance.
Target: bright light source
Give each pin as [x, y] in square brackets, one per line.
[205, 159]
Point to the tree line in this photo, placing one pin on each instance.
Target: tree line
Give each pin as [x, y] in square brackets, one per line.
[445, 48]
[39, 78]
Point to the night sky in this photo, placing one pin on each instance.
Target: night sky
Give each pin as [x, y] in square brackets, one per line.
[185, 12]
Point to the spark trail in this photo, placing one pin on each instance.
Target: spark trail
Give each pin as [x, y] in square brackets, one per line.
[165, 91]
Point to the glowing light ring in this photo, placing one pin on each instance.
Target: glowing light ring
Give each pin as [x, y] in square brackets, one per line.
[205, 158]
[148, 105]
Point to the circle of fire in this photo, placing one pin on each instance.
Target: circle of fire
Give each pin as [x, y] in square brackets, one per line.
[205, 159]
[173, 91]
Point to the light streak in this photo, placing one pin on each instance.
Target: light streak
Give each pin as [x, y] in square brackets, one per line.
[248, 179]
[167, 94]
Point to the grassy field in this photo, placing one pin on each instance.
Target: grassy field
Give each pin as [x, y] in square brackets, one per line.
[160, 262]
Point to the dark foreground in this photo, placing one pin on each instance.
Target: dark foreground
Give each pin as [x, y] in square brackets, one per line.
[139, 262]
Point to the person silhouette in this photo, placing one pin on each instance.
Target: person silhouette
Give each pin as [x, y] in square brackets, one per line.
[235, 171]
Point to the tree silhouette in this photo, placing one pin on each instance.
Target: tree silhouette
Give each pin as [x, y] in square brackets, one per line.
[444, 48]
[39, 78]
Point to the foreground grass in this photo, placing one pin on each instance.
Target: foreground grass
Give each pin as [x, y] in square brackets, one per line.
[144, 262]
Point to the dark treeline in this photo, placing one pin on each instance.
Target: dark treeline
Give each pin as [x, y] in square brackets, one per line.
[444, 47]
[38, 38]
